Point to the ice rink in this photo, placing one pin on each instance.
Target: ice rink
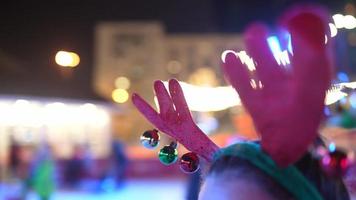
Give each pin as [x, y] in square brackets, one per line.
[133, 189]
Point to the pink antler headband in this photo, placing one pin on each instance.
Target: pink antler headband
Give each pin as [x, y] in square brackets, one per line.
[287, 109]
[175, 119]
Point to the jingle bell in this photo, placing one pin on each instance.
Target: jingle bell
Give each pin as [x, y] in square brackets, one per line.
[189, 163]
[168, 155]
[150, 139]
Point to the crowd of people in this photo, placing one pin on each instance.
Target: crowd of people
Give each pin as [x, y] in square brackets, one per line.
[35, 168]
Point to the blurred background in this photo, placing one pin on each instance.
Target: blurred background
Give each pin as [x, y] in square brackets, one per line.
[68, 129]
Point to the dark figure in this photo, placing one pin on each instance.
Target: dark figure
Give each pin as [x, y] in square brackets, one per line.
[14, 156]
[120, 161]
[75, 168]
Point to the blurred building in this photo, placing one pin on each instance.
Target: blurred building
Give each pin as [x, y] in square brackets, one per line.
[142, 52]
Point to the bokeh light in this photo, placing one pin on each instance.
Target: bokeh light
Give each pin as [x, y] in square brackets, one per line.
[344, 21]
[333, 30]
[122, 82]
[203, 76]
[120, 95]
[349, 22]
[67, 59]
[243, 56]
[342, 77]
[338, 20]
[174, 67]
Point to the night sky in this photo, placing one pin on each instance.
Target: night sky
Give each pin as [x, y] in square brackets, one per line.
[31, 33]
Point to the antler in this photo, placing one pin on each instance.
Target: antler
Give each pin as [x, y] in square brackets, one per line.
[288, 108]
[175, 119]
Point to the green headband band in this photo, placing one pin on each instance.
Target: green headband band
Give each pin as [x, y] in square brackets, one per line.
[290, 177]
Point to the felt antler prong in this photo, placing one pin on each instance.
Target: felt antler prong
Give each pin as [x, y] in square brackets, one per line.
[287, 111]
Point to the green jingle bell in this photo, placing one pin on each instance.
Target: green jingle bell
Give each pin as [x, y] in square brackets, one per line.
[150, 139]
[168, 155]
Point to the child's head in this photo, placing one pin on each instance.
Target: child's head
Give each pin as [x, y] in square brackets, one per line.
[233, 178]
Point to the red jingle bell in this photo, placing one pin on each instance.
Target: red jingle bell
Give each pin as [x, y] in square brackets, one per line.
[189, 163]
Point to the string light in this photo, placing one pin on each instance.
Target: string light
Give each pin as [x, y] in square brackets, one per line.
[344, 21]
[224, 97]
[242, 55]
